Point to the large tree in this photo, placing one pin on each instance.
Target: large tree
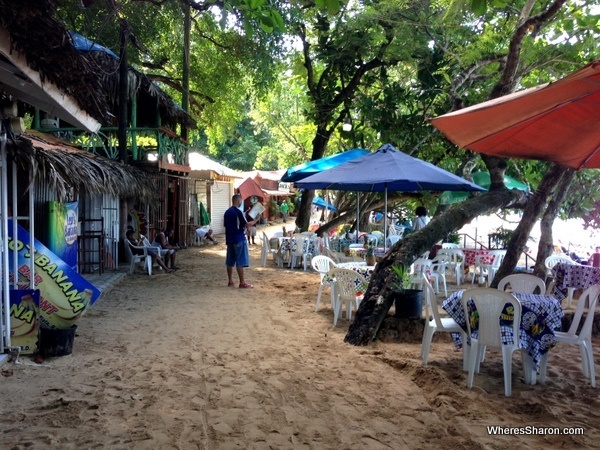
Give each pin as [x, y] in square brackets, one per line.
[233, 48]
[533, 19]
[340, 51]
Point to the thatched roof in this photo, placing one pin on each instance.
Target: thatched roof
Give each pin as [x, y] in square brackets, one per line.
[150, 95]
[90, 77]
[66, 168]
[47, 47]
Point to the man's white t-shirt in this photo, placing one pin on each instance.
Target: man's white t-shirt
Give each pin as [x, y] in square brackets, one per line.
[420, 222]
[201, 232]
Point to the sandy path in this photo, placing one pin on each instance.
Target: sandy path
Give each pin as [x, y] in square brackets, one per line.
[180, 361]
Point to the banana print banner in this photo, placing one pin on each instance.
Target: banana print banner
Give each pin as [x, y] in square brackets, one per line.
[24, 323]
[64, 294]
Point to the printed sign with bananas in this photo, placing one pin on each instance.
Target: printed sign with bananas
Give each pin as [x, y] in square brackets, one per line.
[24, 323]
[64, 294]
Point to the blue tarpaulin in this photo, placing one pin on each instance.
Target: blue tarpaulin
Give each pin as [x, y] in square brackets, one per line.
[84, 44]
[318, 201]
[306, 169]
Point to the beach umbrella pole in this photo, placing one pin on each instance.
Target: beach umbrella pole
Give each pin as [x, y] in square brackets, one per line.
[385, 227]
[357, 214]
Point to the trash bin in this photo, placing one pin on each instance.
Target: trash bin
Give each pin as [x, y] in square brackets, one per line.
[57, 342]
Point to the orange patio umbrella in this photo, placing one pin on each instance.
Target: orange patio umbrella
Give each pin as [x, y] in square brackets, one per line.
[558, 122]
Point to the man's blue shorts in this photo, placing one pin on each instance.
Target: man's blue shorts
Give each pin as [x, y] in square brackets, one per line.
[237, 255]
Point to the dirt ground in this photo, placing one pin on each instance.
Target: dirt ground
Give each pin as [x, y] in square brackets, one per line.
[181, 361]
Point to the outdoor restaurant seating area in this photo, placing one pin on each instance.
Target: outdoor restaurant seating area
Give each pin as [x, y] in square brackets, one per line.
[522, 314]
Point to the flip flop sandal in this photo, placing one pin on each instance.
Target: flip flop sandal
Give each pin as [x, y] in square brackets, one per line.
[175, 268]
[246, 286]
[230, 284]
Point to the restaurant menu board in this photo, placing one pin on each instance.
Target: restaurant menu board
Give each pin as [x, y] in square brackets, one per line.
[257, 209]
[24, 321]
[64, 294]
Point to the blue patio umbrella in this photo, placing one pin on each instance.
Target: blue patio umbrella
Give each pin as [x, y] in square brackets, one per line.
[318, 201]
[306, 169]
[387, 169]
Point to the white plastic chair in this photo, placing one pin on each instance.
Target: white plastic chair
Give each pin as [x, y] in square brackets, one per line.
[136, 259]
[393, 238]
[523, 283]
[488, 270]
[435, 323]
[161, 251]
[449, 245]
[322, 264]
[301, 252]
[266, 250]
[392, 230]
[552, 261]
[438, 272]
[456, 261]
[372, 238]
[346, 291]
[419, 270]
[326, 240]
[490, 303]
[583, 339]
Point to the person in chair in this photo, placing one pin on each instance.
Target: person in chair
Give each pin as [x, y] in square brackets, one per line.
[153, 252]
[162, 240]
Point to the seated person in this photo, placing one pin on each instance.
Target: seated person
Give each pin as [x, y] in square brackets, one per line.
[162, 240]
[153, 252]
[206, 233]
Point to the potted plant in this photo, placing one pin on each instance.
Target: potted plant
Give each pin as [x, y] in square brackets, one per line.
[369, 246]
[408, 302]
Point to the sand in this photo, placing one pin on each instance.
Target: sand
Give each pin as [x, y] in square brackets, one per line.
[181, 361]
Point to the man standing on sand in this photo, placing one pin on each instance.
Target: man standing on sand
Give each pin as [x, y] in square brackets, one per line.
[284, 210]
[237, 247]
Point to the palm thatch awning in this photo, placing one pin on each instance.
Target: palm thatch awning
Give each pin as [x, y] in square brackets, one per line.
[149, 95]
[49, 51]
[90, 77]
[67, 169]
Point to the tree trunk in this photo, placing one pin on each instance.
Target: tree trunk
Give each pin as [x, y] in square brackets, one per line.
[123, 92]
[531, 214]
[319, 146]
[377, 301]
[546, 244]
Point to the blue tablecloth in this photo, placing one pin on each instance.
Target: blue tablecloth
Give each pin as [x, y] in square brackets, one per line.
[341, 244]
[576, 276]
[541, 315]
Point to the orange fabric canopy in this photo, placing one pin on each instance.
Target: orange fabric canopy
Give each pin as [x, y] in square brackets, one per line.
[557, 122]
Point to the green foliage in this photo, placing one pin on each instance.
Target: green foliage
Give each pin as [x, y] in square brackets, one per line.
[291, 205]
[273, 208]
[453, 238]
[403, 278]
[501, 237]
[240, 151]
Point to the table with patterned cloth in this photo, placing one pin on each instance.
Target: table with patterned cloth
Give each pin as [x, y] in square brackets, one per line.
[571, 275]
[341, 244]
[288, 245]
[361, 252]
[541, 316]
[472, 253]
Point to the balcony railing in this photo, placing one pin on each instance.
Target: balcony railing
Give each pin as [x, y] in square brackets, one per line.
[141, 142]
